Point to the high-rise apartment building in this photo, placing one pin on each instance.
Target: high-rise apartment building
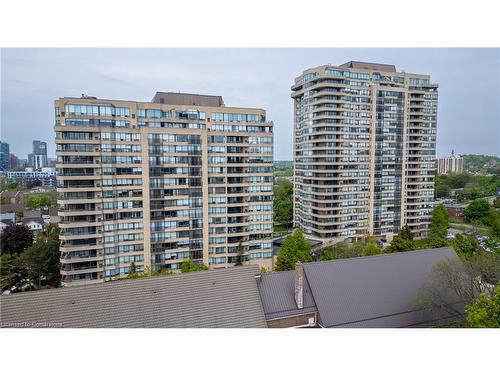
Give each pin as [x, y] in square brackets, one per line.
[159, 182]
[38, 158]
[364, 152]
[4, 156]
[453, 164]
[13, 161]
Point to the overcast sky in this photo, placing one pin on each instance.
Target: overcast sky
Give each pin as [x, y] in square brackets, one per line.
[31, 79]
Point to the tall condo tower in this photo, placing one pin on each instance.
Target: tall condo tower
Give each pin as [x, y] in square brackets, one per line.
[364, 151]
[156, 183]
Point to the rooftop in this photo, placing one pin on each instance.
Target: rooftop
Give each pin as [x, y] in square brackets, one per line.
[188, 99]
[278, 296]
[224, 298]
[369, 66]
[374, 291]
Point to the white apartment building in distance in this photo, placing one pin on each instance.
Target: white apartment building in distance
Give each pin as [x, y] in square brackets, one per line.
[453, 164]
[155, 183]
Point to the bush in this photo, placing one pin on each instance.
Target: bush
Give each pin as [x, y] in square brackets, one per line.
[484, 312]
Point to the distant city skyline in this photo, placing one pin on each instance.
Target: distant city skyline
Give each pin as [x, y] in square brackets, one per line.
[31, 79]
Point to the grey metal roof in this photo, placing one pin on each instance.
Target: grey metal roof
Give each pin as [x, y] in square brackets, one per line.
[370, 66]
[374, 291]
[211, 299]
[277, 293]
[177, 98]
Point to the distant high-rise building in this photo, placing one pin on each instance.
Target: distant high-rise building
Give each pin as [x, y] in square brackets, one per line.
[453, 164]
[38, 158]
[22, 163]
[156, 183]
[364, 151]
[13, 161]
[4, 156]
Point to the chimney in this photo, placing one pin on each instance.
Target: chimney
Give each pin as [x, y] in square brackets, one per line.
[299, 285]
[258, 278]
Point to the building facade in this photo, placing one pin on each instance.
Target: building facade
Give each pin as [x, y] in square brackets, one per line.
[4, 156]
[159, 182]
[38, 159]
[43, 177]
[453, 164]
[364, 151]
[13, 161]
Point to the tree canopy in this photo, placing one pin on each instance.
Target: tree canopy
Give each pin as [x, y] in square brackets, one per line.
[465, 246]
[400, 244]
[295, 248]
[15, 239]
[189, 266]
[472, 186]
[38, 200]
[240, 257]
[463, 278]
[35, 265]
[283, 202]
[363, 247]
[439, 224]
[42, 258]
[478, 211]
[370, 247]
[484, 312]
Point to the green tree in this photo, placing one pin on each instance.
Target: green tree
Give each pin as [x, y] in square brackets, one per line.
[33, 201]
[15, 238]
[478, 211]
[327, 253]
[495, 226]
[283, 202]
[443, 191]
[406, 233]
[295, 248]
[400, 244]
[475, 163]
[189, 266]
[45, 200]
[42, 258]
[342, 250]
[13, 274]
[133, 269]
[484, 312]
[439, 224]
[240, 257]
[283, 212]
[459, 279]
[464, 245]
[10, 185]
[370, 247]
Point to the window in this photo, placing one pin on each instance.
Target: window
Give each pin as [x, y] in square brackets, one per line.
[153, 113]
